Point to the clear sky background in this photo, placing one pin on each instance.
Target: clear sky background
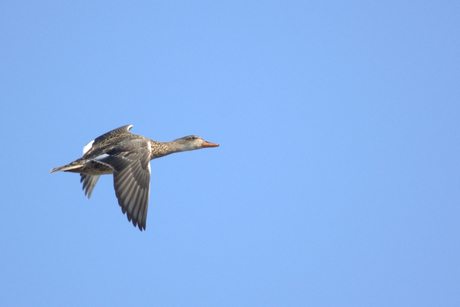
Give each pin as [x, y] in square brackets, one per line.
[336, 182]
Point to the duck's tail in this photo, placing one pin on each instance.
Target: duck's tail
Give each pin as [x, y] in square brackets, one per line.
[71, 167]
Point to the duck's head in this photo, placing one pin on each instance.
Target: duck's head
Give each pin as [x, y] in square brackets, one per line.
[192, 142]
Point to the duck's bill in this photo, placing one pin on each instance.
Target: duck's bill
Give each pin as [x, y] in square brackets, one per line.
[207, 144]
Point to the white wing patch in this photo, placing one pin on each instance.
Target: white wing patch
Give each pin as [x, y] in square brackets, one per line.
[88, 147]
[149, 145]
[103, 156]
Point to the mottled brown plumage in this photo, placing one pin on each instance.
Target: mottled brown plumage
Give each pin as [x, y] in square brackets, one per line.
[127, 156]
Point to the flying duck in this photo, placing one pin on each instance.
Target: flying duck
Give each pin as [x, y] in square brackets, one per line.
[127, 156]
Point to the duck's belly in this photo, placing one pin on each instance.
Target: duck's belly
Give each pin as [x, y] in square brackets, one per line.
[94, 168]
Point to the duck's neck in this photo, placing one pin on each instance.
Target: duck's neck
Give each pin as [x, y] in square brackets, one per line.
[160, 149]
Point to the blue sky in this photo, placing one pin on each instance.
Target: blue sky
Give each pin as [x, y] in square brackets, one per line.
[336, 182]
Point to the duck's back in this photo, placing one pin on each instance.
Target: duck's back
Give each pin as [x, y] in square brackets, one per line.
[108, 141]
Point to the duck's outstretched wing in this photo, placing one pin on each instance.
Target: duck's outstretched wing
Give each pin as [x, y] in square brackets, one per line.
[102, 141]
[89, 182]
[131, 178]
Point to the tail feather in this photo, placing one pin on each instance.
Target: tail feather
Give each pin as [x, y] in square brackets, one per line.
[65, 168]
